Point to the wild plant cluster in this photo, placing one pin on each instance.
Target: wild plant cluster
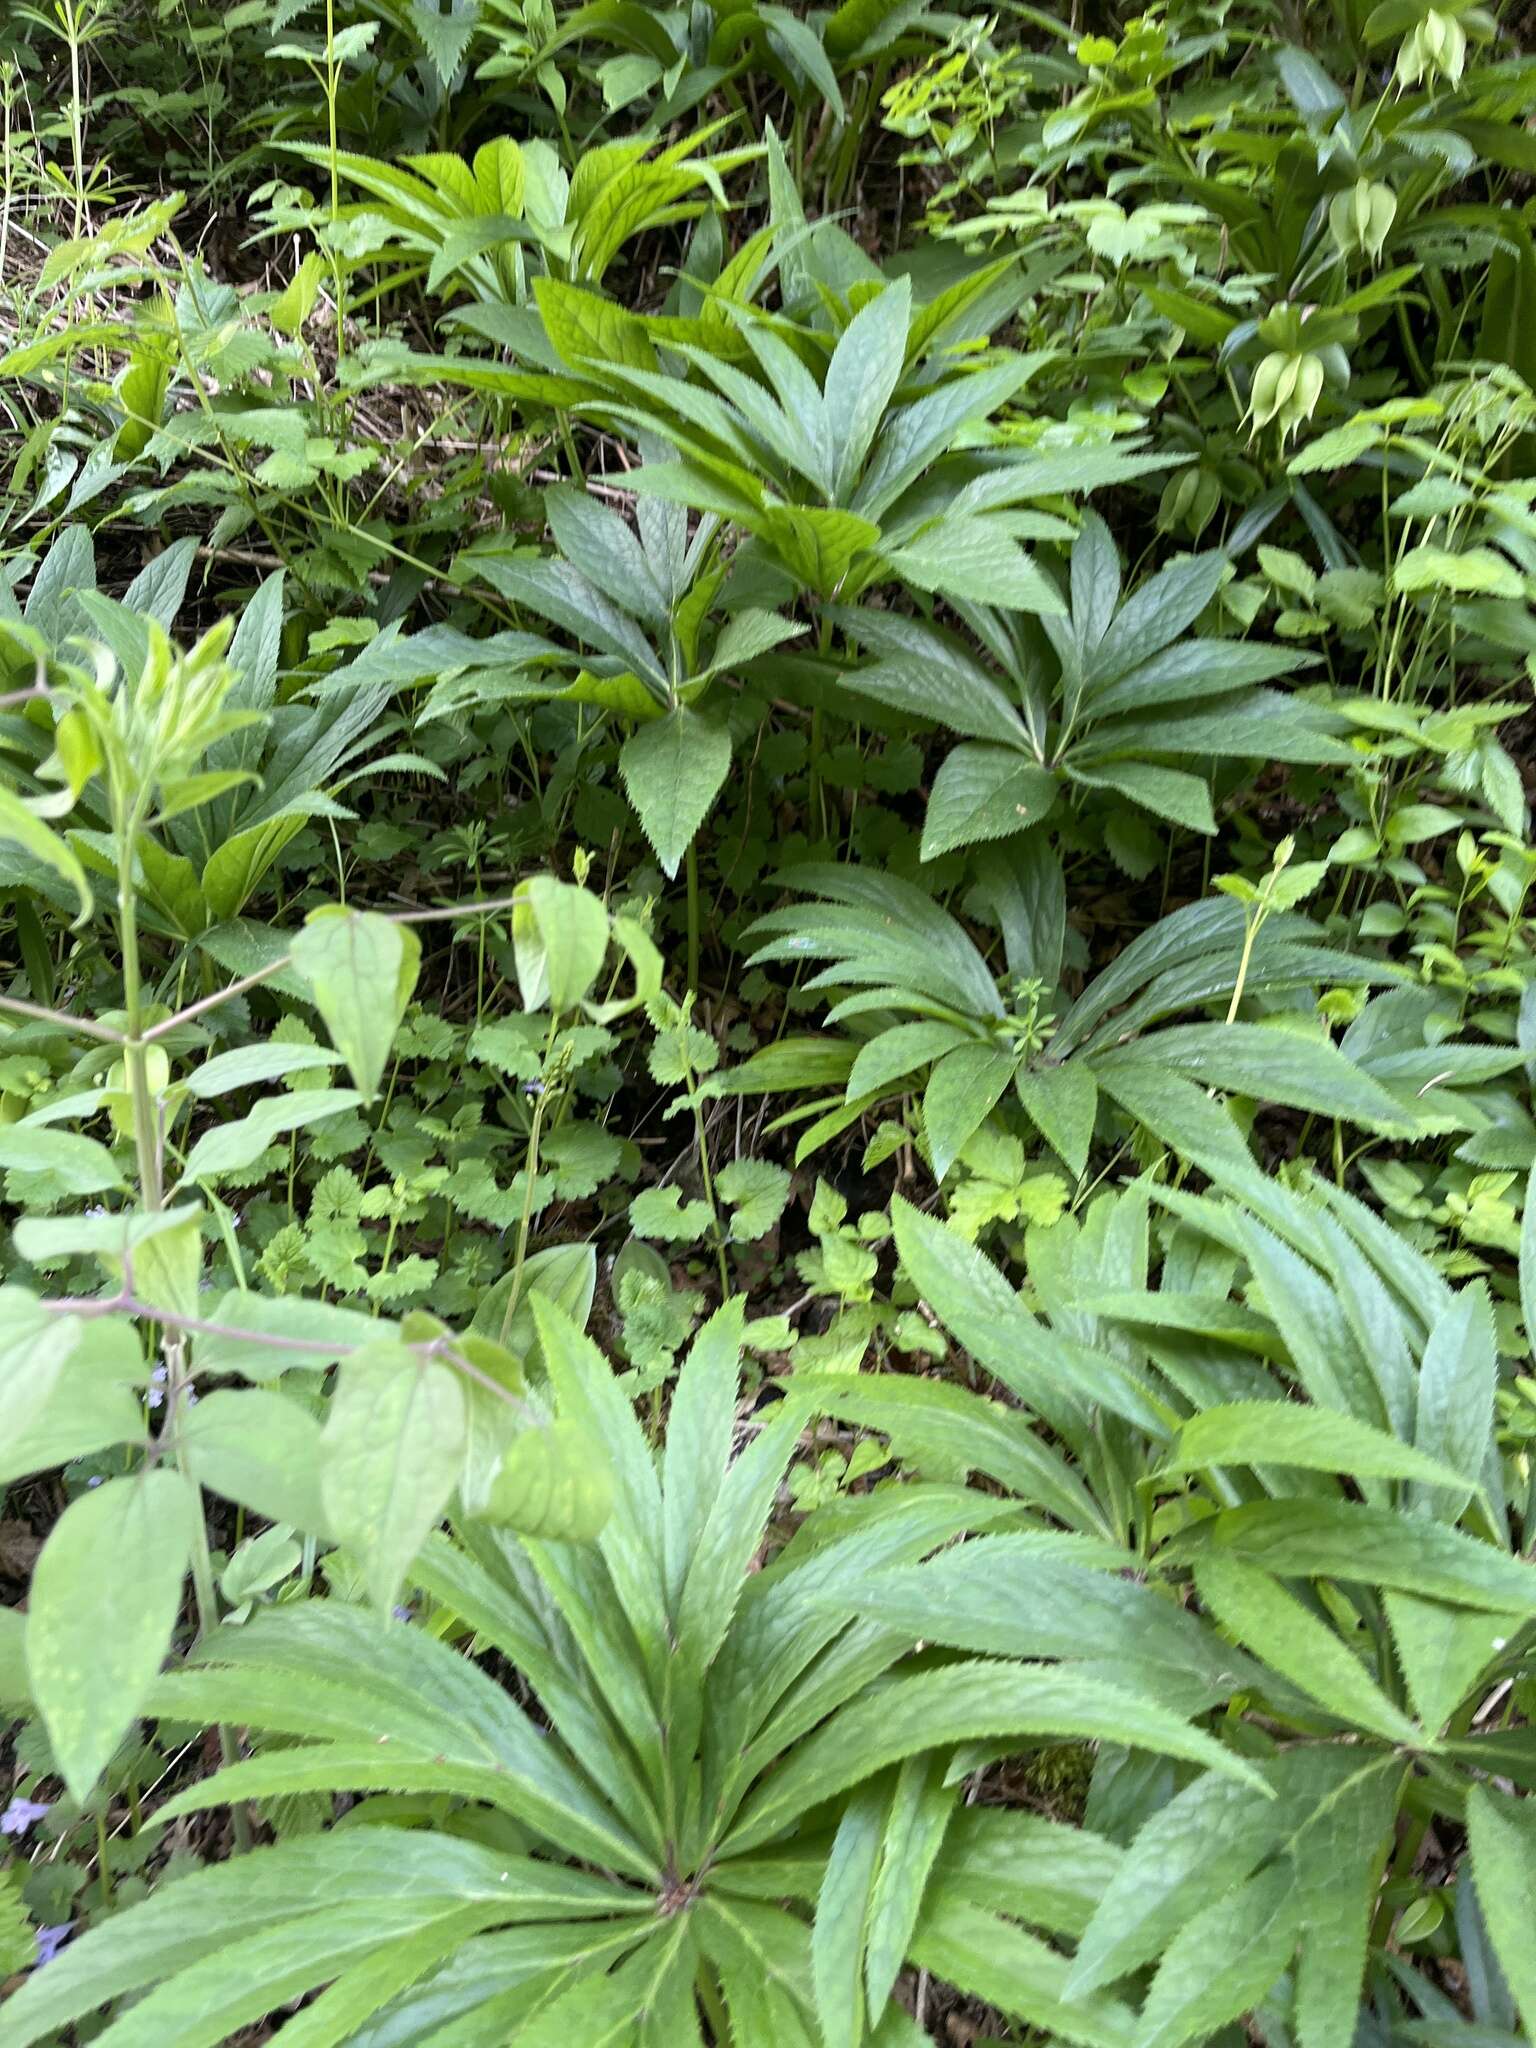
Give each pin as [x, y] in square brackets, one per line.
[767, 1013]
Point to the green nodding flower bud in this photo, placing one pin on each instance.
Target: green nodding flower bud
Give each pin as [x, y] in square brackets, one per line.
[1437, 46]
[1286, 388]
[1190, 501]
[1264, 399]
[1361, 218]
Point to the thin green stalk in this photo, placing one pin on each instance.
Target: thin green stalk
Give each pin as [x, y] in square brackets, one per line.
[707, 1178]
[76, 117]
[525, 1221]
[1249, 935]
[693, 915]
[332, 74]
[146, 1138]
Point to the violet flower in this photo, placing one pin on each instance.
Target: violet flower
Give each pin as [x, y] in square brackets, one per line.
[20, 1814]
[50, 1940]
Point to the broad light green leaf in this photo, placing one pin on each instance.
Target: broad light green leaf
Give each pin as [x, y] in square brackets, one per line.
[1167, 792]
[903, 1050]
[757, 1191]
[585, 327]
[1502, 1832]
[1458, 1376]
[588, 1397]
[1374, 1546]
[935, 682]
[1337, 1862]
[260, 1449]
[559, 941]
[35, 1346]
[1272, 1065]
[964, 1944]
[921, 1808]
[379, 1901]
[1276, 1627]
[41, 1238]
[842, 1906]
[983, 792]
[799, 41]
[863, 374]
[962, 1091]
[1047, 1596]
[818, 544]
[167, 1258]
[93, 1405]
[554, 1482]
[605, 550]
[944, 1431]
[1043, 1367]
[1196, 1850]
[250, 1066]
[105, 1594]
[394, 1445]
[968, 556]
[23, 828]
[673, 769]
[80, 1165]
[746, 635]
[1063, 1103]
[1158, 611]
[700, 1428]
[1223, 1961]
[1481, 570]
[230, 1148]
[1284, 1433]
[962, 1702]
[1442, 1650]
[15, 1692]
[563, 1273]
[359, 1992]
[308, 1333]
[361, 969]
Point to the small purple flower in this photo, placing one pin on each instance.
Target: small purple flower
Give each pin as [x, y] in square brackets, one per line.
[94, 1480]
[50, 1940]
[401, 1613]
[156, 1395]
[20, 1814]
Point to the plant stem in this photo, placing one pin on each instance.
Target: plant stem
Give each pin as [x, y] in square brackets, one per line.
[708, 1181]
[531, 1171]
[693, 916]
[1249, 935]
[146, 1138]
